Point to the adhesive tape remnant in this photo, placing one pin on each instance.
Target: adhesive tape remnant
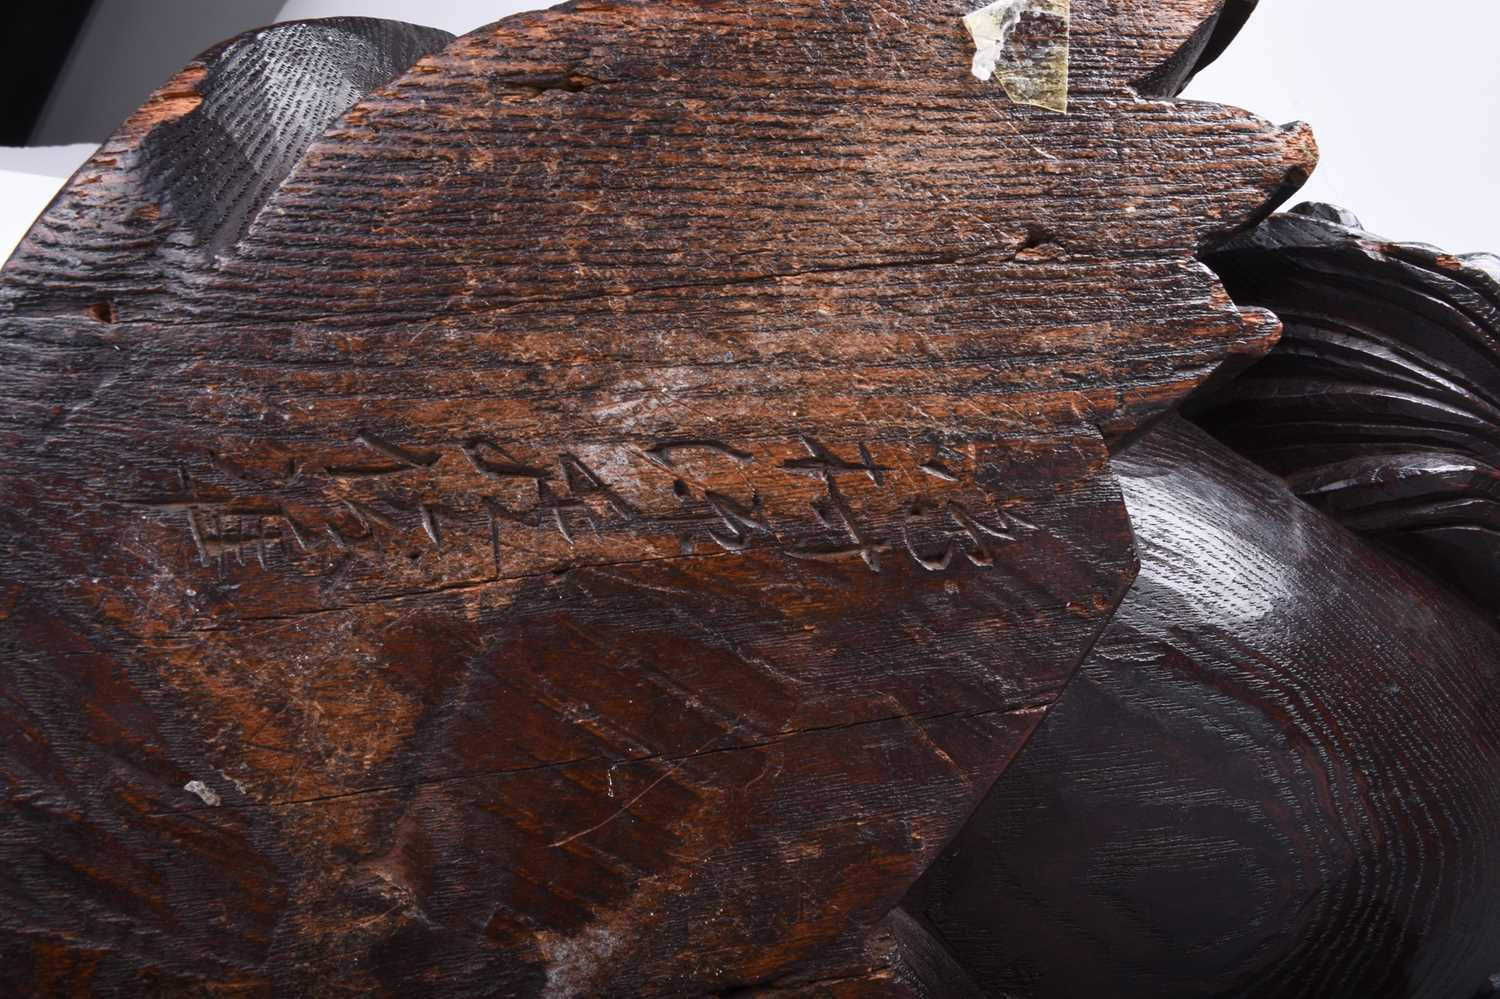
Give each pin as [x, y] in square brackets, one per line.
[1024, 43]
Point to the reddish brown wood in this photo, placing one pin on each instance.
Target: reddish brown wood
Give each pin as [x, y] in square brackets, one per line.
[598, 525]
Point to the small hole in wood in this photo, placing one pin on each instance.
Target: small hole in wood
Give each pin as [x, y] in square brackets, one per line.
[539, 84]
[103, 312]
[1038, 235]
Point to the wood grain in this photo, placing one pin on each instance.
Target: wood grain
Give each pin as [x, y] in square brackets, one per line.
[1273, 777]
[1381, 404]
[602, 518]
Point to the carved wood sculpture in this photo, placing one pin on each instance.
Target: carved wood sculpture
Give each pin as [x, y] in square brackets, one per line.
[592, 507]
[1274, 775]
[1381, 403]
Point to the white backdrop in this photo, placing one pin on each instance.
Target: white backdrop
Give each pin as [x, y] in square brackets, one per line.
[1403, 98]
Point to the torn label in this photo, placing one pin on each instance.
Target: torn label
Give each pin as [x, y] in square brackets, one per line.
[1025, 44]
[203, 791]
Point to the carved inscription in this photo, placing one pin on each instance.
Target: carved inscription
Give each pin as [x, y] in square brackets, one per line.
[532, 511]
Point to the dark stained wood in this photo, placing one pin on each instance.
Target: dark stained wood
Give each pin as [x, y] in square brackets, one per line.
[594, 518]
[1206, 45]
[264, 100]
[1381, 403]
[1273, 777]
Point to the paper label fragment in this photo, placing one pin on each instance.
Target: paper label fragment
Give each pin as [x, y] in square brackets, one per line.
[1024, 43]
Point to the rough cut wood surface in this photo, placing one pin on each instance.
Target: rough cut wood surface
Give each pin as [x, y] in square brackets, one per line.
[598, 525]
[1273, 777]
